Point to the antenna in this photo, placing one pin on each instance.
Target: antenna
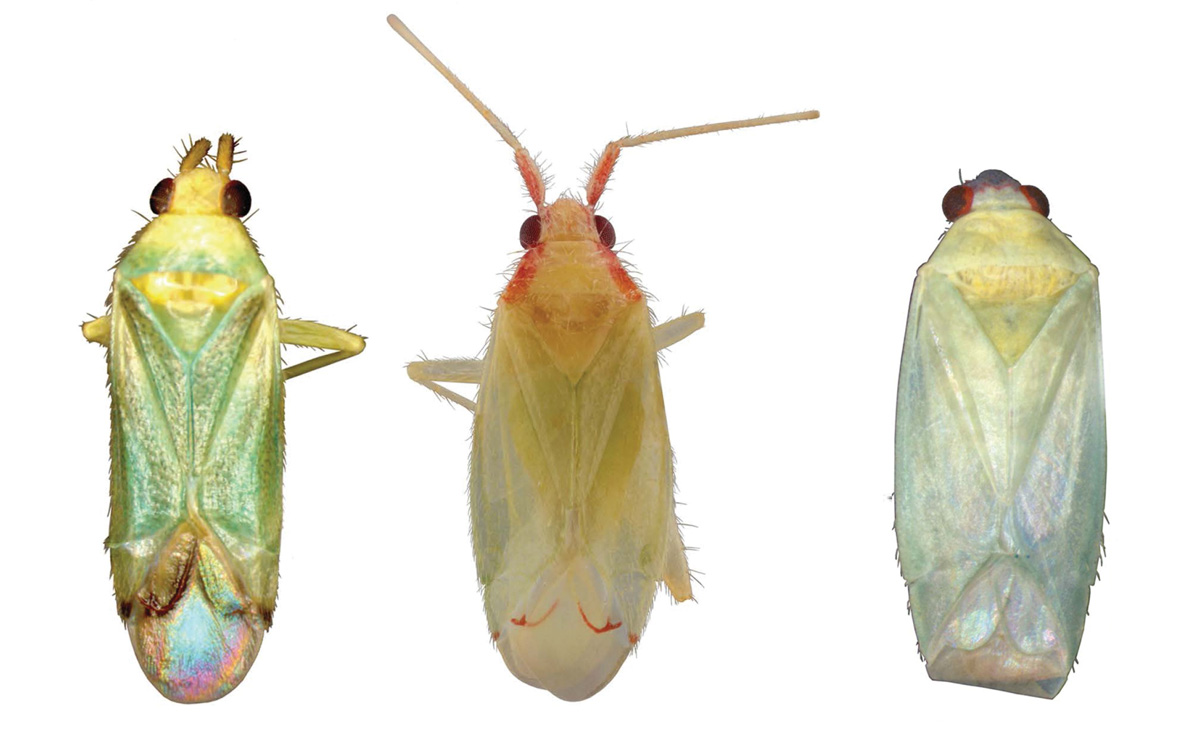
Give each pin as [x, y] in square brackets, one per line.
[604, 166]
[525, 164]
[225, 147]
[608, 159]
[195, 154]
[659, 136]
[504, 132]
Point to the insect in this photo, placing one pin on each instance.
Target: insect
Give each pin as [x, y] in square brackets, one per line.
[572, 502]
[1000, 443]
[197, 430]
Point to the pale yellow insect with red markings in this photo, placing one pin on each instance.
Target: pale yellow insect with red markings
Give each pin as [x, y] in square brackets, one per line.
[572, 485]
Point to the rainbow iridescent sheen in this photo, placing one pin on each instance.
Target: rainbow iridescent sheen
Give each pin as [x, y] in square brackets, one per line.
[203, 647]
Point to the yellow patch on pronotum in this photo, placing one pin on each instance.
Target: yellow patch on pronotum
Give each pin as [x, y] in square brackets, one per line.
[572, 482]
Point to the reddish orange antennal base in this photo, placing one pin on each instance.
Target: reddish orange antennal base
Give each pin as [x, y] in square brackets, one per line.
[604, 168]
[532, 177]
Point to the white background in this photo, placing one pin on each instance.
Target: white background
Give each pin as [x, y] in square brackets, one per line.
[388, 203]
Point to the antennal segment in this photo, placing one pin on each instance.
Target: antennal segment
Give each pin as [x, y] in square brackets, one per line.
[225, 146]
[426, 53]
[608, 159]
[659, 136]
[194, 155]
[525, 163]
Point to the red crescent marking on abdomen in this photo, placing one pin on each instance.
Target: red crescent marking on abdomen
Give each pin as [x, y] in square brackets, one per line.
[526, 623]
[608, 625]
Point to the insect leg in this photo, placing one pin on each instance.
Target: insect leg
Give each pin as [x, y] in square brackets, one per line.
[309, 334]
[426, 372]
[676, 330]
[98, 330]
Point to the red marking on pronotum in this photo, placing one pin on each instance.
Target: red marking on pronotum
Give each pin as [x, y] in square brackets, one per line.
[621, 277]
[524, 275]
[495, 636]
[608, 625]
[526, 623]
[633, 639]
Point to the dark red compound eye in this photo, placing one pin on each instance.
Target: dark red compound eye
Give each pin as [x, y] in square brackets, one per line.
[531, 231]
[608, 234]
[235, 200]
[160, 198]
[1037, 199]
[957, 202]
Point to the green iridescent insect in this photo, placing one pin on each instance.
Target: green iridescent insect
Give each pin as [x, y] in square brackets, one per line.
[197, 430]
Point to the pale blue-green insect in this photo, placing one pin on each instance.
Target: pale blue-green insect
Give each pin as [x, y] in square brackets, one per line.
[197, 430]
[1000, 443]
